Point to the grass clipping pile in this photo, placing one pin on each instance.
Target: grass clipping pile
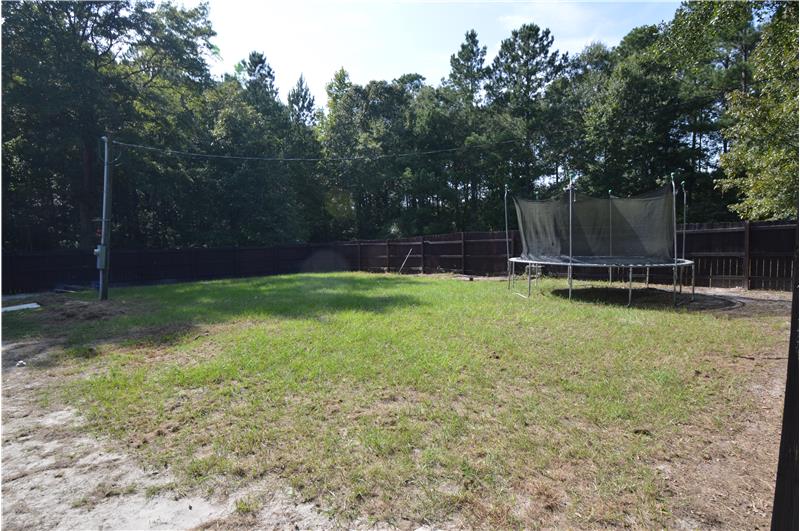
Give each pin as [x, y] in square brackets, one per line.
[352, 399]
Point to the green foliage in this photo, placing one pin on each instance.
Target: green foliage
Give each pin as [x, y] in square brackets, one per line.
[525, 65]
[678, 98]
[73, 71]
[747, 74]
[301, 104]
[634, 125]
[762, 164]
[468, 71]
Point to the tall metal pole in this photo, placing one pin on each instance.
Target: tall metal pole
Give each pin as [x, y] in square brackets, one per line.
[683, 238]
[685, 214]
[610, 245]
[569, 268]
[102, 251]
[674, 243]
[508, 252]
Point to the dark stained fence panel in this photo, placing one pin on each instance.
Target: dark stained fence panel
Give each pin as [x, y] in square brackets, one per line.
[757, 255]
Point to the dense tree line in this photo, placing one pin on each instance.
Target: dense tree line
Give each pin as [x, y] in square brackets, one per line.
[710, 97]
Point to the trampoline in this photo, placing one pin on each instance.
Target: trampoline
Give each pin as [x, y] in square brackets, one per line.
[576, 230]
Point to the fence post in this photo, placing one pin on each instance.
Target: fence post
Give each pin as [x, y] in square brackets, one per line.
[746, 265]
[422, 253]
[463, 254]
[784, 505]
[387, 256]
[358, 265]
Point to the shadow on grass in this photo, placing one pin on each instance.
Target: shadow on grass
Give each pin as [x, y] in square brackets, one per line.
[295, 297]
[649, 298]
[165, 315]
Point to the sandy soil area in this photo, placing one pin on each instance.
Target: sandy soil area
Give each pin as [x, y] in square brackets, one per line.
[55, 476]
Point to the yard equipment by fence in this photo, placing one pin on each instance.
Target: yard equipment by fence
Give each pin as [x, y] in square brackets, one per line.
[756, 255]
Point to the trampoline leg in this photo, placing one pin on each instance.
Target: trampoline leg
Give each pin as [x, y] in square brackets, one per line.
[692, 282]
[530, 268]
[647, 278]
[569, 280]
[674, 286]
[630, 285]
[508, 270]
[609, 275]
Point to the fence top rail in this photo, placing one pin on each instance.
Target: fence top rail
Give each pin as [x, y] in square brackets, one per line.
[722, 224]
[777, 226]
[714, 230]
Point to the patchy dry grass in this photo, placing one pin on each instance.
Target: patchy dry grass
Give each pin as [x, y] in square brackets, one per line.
[409, 399]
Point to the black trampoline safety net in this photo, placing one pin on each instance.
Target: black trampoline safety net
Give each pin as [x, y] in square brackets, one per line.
[638, 229]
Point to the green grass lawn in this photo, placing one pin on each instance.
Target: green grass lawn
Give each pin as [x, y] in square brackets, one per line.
[406, 398]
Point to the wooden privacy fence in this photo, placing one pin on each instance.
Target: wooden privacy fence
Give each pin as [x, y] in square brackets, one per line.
[751, 255]
[477, 253]
[744, 254]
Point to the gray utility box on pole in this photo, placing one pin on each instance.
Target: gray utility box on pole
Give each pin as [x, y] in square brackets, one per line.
[101, 252]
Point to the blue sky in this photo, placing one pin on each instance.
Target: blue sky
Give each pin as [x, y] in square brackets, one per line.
[385, 39]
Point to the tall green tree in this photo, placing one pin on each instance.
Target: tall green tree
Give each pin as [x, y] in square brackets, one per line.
[463, 95]
[468, 71]
[71, 72]
[709, 46]
[634, 126]
[307, 177]
[567, 149]
[762, 162]
[520, 73]
[301, 104]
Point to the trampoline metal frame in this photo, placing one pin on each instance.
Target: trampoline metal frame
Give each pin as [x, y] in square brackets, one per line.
[623, 262]
[534, 264]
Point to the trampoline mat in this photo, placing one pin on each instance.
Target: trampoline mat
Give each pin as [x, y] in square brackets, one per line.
[603, 261]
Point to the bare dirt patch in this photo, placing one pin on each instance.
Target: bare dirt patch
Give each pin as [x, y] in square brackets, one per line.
[56, 476]
[752, 303]
[60, 307]
[722, 475]
[727, 481]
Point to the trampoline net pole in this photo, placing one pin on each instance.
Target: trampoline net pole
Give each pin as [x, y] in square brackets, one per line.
[610, 245]
[569, 268]
[674, 243]
[508, 252]
[685, 213]
[683, 237]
